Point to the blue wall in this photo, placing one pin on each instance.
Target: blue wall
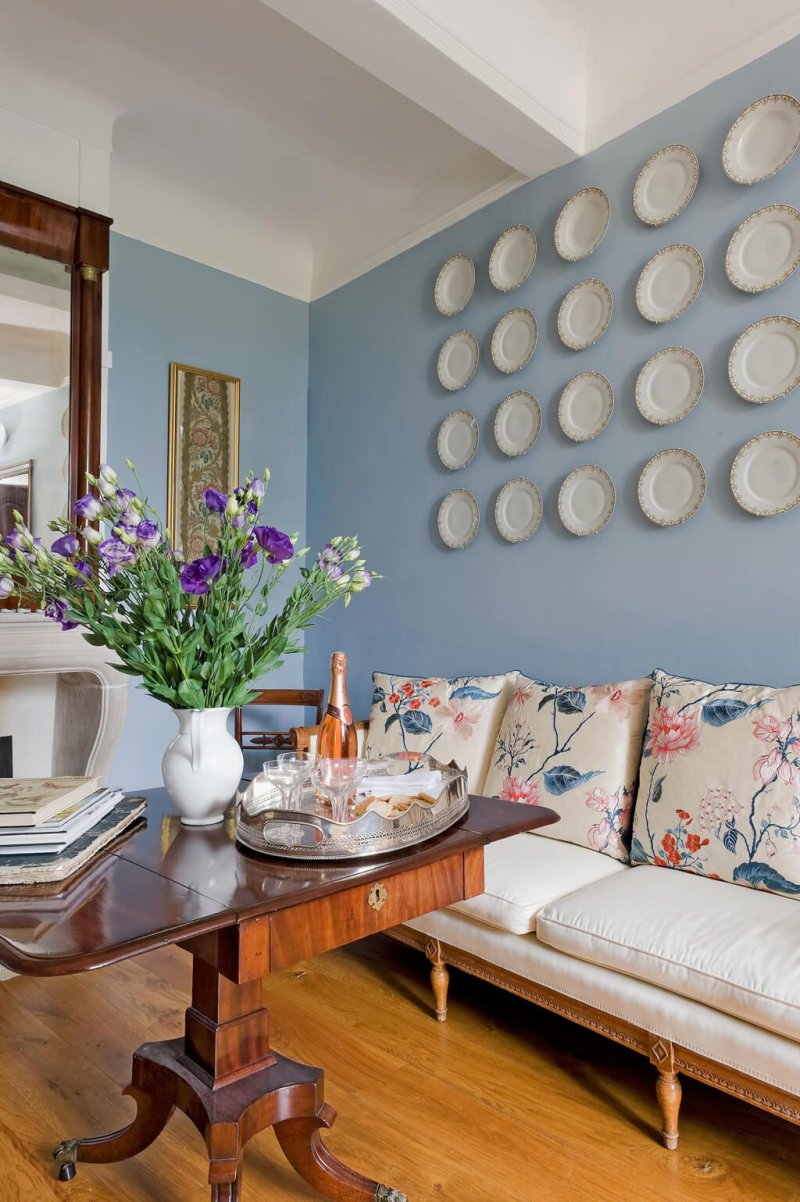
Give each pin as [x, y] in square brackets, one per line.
[716, 597]
[166, 308]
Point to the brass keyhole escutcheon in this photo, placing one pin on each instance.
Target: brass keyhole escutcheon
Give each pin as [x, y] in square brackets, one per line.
[378, 895]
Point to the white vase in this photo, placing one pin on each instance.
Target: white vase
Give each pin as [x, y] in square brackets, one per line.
[202, 766]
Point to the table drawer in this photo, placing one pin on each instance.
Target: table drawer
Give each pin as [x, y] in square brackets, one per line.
[317, 926]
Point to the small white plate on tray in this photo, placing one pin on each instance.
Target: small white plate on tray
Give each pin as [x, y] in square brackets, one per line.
[512, 258]
[669, 283]
[458, 360]
[762, 139]
[514, 340]
[764, 363]
[459, 518]
[765, 477]
[665, 184]
[669, 385]
[458, 438]
[585, 406]
[454, 285]
[671, 487]
[586, 500]
[582, 224]
[517, 423]
[765, 249]
[518, 510]
[584, 314]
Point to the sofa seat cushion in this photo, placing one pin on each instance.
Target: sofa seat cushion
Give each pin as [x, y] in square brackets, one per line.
[730, 948]
[525, 872]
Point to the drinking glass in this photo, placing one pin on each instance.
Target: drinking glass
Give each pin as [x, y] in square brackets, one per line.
[299, 764]
[336, 780]
[277, 787]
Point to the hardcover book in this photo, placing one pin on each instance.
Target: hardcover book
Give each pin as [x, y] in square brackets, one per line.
[29, 801]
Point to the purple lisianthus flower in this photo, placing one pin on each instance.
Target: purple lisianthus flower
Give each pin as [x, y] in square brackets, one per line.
[198, 576]
[277, 546]
[362, 579]
[116, 554]
[215, 500]
[66, 546]
[330, 560]
[148, 533]
[238, 521]
[15, 541]
[88, 507]
[258, 487]
[6, 586]
[249, 555]
[85, 569]
[58, 610]
[125, 496]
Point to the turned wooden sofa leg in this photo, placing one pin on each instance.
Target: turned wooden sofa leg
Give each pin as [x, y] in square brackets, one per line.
[668, 1090]
[440, 978]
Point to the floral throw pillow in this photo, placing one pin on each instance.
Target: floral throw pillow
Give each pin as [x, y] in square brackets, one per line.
[453, 720]
[576, 750]
[719, 791]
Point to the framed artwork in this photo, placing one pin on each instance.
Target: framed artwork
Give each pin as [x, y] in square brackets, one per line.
[15, 493]
[203, 450]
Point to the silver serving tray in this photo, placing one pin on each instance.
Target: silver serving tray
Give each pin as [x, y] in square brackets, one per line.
[308, 834]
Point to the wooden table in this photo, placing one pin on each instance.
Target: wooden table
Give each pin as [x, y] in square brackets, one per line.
[240, 916]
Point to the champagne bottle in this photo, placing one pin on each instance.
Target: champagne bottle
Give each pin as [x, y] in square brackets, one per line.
[337, 737]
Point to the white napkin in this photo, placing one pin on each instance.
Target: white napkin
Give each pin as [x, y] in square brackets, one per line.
[409, 784]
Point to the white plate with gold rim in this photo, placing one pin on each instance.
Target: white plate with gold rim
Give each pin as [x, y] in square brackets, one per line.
[586, 500]
[669, 385]
[762, 139]
[764, 363]
[457, 440]
[514, 340]
[584, 314]
[517, 423]
[665, 184]
[512, 258]
[454, 285]
[518, 510]
[765, 249]
[458, 360]
[585, 406]
[765, 476]
[669, 283]
[458, 519]
[671, 487]
[582, 224]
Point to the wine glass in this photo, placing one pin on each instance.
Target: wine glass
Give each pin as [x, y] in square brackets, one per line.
[336, 780]
[299, 764]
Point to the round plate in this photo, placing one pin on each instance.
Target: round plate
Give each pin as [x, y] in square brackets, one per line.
[669, 385]
[669, 283]
[517, 423]
[459, 518]
[512, 258]
[665, 184]
[762, 139]
[518, 510]
[584, 314]
[582, 224]
[458, 360]
[586, 500]
[765, 477]
[765, 249]
[671, 487]
[514, 340]
[454, 285]
[585, 406]
[764, 363]
[457, 440]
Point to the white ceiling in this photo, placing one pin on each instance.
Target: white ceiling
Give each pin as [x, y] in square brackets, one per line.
[300, 142]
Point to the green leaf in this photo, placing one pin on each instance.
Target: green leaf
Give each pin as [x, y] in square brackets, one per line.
[191, 694]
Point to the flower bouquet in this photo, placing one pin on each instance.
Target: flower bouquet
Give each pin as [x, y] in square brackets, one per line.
[196, 633]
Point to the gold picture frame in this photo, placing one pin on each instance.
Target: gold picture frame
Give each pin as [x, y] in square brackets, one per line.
[203, 450]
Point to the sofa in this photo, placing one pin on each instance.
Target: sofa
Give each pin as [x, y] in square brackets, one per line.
[670, 923]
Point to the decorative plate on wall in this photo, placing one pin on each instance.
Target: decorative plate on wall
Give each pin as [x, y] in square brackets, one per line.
[586, 500]
[514, 340]
[458, 360]
[764, 363]
[669, 385]
[512, 258]
[517, 423]
[762, 139]
[454, 285]
[671, 487]
[457, 441]
[585, 406]
[765, 249]
[665, 184]
[584, 314]
[765, 477]
[582, 224]
[669, 283]
[518, 510]
[459, 519]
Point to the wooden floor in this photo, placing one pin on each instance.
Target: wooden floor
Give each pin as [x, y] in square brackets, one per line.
[504, 1103]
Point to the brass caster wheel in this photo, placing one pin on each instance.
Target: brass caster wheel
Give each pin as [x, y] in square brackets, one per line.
[65, 1156]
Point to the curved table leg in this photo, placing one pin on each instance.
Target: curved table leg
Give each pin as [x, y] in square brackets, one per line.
[151, 1118]
[302, 1145]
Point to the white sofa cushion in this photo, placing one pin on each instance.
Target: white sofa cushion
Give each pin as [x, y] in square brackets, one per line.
[525, 872]
[733, 949]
